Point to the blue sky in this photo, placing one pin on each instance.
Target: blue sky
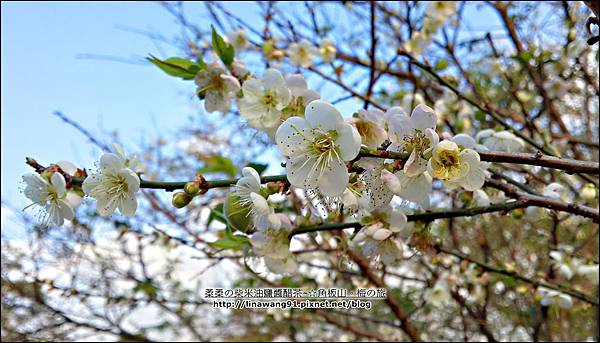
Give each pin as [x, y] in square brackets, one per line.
[42, 71]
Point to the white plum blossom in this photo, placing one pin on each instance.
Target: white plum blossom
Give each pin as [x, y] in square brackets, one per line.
[380, 185]
[73, 198]
[415, 188]
[456, 167]
[566, 267]
[552, 297]
[302, 53]
[352, 200]
[238, 40]
[263, 100]
[556, 88]
[382, 235]
[467, 142]
[317, 148]
[273, 244]
[556, 191]
[248, 192]
[239, 70]
[480, 198]
[439, 295]
[217, 87]
[500, 141]
[301, 96]
[114, 186]
[393, 112]
[415, 135]
[286, 265]
[327, 51]
[132, 161]
[589, 271]
[440, 10]
[370, 126]
[49, 192]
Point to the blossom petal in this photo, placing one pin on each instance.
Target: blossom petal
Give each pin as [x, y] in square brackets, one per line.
[397, 220]
[252, 90]
[423, 117]
[273, 78]
[464, 140]
[54, 214]
[65, 209]
[67, 167]
[323, 115]
[415, 189]
[59, 183]
[91, 182]
[348, 141]
[301, 172]
[475, 177]
[281, 266]
[111, 162]
[382, 234]
[334, 179]
[133, 180]
[297, 84]
[128, 205]
[251, 172]
[293, 136]
[106, 206]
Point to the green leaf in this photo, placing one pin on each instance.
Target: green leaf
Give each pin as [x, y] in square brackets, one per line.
[200, 62]
[147, 288]
[178, 67]
[218, 164]
[216, 213]
[480, 116]
[259, 167]
[230, 241]
[224, 50]
[441, 65]
[226, 244]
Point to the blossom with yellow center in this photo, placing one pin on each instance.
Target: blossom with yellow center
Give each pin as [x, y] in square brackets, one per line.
[302, 53]
[370, 126]
[317, 148]
[327, 50]
[455, 167]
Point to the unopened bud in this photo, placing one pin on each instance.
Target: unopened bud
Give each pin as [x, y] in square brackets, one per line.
[237, 214]
[191, 188]
[589, 192]
[181, 199]
[274, 187]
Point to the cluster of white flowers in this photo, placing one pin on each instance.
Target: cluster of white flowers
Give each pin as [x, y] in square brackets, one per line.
[568, 267]
[552, 297]
[247, 210]
[247, 200]
[267, 102]
[500, 140]
[303, 53]
[273, 244]
[113, 187]
[218, 88]
[383, 234]
[439, 295]
[436, 14]
[238, 40]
